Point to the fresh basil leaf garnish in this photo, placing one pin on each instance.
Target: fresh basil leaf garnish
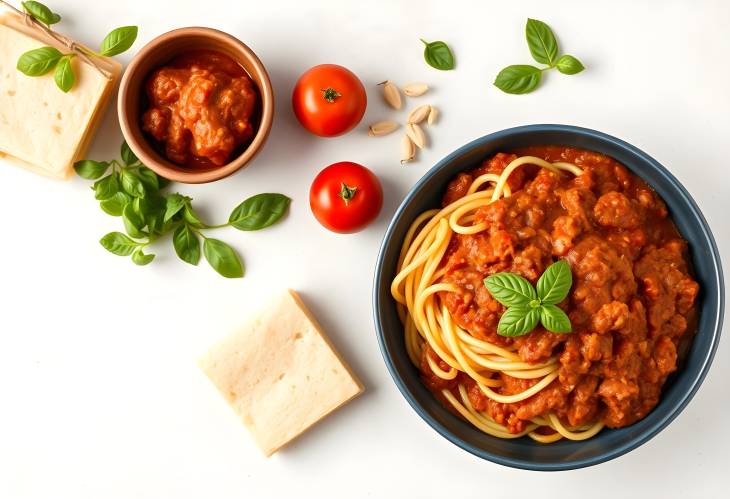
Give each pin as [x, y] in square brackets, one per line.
[554, 283]
[128, 156]
[522, 78]
[118, 40]
[541, 41]
[106, 187]
[133, 222]
[510, 289]
[569, 65]
[554, 319]
[527, 307]
[438, 55]
[118, 243]
[186, 244]
[259, 211]
[64, 74]
[90, 169]
[140, 258]
[132, 184]
[222, 258]
[173, 204]
[518, 79]
[518, 321]
[38, 62]
[40, 12]
[115, 204]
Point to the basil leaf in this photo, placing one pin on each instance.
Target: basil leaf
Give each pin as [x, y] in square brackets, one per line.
[133, 222]
[259, 211]
[510, 289]
[141, 207]
[115, 204]
[40, 12]
[518, 79]
[554, 284]
[186, 244]
[151, 209]
[118, 243]
[222, 258]
[569, 65]
[173, 204]
[554, 319]
[542, 42]
[139, 258]
[156, 224]
[89, 169]
[64, 74]
[132, 184]
[128, 156]
[517, 321]
[149, 179]
[438, 55]
[118, 41]
[106, 187]
[191, 217]
[38, 61]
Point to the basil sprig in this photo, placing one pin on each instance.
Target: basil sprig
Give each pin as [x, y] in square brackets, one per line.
[130, 190]
[40, 61]
[527, 307]
[523, 78]
[438, 55]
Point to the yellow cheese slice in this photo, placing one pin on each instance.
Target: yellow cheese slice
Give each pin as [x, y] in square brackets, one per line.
[280, 373]
[42, 128]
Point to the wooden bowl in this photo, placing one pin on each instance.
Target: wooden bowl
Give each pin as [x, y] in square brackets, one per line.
[159, 52]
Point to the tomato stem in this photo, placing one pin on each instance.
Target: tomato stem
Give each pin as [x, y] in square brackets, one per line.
[347, 193]
[330, 94]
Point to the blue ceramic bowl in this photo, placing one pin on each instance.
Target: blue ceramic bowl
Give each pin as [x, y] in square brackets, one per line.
[563, 455]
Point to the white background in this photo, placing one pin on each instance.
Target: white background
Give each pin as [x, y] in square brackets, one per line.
[100, 394]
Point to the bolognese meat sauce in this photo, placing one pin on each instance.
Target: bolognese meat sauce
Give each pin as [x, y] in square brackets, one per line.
[632, 300]
[200, 108]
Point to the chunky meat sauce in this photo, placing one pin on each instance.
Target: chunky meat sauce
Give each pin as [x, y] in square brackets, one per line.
[632, 304]
[200, 109]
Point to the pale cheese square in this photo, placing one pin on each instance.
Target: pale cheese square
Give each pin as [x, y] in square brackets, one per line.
[41, 127]
[280, 373]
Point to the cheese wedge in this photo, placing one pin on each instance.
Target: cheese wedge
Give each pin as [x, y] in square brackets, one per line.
[280, 373]
[42, 128]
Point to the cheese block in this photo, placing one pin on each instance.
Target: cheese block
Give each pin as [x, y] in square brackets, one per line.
[42, 128]
[280, 373]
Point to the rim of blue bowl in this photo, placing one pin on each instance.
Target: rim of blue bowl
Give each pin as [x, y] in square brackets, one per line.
[634, 442]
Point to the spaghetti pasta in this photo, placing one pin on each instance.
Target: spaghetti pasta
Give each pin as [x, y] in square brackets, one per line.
[427, 321]
[630, 305]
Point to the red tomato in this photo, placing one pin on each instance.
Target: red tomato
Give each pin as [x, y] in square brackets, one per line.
[329, 100]
[345, 197]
